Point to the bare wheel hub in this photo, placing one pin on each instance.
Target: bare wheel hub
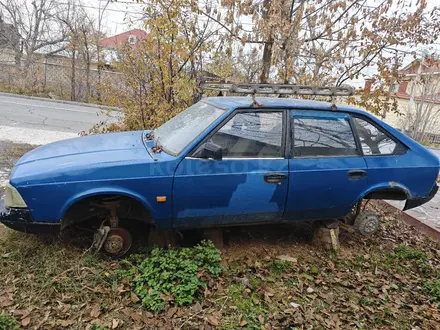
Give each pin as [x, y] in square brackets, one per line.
[118, 242]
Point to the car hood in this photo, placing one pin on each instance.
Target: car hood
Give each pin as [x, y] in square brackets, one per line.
[94, 157]
[95, 147]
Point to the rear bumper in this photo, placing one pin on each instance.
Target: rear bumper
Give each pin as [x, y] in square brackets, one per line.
[22, 220]
[414, 202]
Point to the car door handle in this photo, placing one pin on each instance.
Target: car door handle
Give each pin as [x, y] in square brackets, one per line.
[357, 174]
[276, 178]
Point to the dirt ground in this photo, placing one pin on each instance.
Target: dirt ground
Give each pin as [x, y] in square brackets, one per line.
[389, 281]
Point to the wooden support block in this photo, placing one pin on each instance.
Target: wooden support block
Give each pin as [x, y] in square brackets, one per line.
[162, 239]
[215, 235]
[327, 237]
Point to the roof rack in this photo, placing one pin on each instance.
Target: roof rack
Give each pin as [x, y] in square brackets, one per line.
[281, 89]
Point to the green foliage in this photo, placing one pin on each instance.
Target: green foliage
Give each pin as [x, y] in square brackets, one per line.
[7, 322]
[98, 326]
[173, 275]
[404, 252]
[250, 306]
[432, 288]
[280, 266]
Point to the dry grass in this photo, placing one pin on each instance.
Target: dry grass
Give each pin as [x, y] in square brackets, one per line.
[381, 282]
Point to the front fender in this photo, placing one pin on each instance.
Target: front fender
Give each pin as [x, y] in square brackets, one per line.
[103, 191]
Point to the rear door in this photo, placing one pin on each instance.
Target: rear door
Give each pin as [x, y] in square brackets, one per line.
[327, 171]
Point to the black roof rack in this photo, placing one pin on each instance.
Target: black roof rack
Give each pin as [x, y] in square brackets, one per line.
[281, 89]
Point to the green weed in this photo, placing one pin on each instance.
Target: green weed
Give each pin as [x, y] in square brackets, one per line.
[7, 322]
[280, 266]
[404, 252]
[172, 275]
[432, 288]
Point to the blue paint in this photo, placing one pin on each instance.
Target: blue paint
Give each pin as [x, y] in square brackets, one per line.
[207, 192]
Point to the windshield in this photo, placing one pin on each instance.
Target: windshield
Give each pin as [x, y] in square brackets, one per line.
[179, 131]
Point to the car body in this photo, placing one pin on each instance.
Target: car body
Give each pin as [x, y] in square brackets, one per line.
[224, 161]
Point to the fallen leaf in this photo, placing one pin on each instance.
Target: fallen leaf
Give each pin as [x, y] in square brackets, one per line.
[115, 323]
[197, 307]
[243, 323]
[133, 297]
[171, 312]
[287, 258]
[294, 305]
[261, 318]
[310, 290]
[213, 320]
[67, 323]
[25, 322]
[96, 311]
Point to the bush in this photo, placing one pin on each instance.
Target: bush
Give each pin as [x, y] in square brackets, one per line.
[173, 275]
[7, 322]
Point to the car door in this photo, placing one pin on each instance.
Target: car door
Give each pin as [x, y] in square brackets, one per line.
[327, 171]
[249, 184]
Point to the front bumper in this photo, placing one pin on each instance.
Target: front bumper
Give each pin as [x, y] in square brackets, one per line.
[414, 202]
[21, 219]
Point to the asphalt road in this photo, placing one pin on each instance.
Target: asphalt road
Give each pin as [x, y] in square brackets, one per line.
[39, 122]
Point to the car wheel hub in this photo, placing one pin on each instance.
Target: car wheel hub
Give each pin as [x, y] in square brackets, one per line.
[370, 225]
[118, 242]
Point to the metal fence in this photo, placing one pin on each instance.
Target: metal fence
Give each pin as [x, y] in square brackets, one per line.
[63, 80]
[432, 138]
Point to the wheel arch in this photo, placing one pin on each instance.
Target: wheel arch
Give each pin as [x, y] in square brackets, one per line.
[110, 191]
[386, 190]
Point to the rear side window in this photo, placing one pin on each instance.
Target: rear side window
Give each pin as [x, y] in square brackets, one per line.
[374, 141]
[323, 137]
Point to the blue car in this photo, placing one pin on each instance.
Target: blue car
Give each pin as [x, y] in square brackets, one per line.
[223, 161]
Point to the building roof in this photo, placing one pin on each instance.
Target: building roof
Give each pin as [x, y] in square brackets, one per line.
[232, 102]
[430, 65]
[119, 40]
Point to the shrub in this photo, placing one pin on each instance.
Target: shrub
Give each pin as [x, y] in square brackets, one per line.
[173, 275]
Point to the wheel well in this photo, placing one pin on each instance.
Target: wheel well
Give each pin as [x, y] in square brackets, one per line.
[387, 193]
[92, 206]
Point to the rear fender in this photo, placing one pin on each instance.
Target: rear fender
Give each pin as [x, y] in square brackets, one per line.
[391, 185]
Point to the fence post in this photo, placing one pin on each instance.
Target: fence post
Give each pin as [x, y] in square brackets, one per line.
[45, 73]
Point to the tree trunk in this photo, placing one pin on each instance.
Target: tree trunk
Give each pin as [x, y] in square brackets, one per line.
[267, 61]
[268, 46]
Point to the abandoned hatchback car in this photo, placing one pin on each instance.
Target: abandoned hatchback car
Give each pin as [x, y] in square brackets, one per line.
[223, 161]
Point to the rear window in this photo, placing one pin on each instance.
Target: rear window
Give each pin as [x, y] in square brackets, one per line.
[375, 141]
[323, 137]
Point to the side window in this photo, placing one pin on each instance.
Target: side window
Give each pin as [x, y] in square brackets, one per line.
[323, 137]
[251, 135]
[373, 140]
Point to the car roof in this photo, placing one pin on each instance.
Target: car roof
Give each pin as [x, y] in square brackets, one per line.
[233, 102]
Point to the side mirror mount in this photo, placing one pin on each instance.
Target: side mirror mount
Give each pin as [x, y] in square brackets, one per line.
[210, 150]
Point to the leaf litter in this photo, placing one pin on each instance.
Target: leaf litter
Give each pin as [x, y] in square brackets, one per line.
[274, 278]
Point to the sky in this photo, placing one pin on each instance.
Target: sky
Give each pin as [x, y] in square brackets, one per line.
[125, 15]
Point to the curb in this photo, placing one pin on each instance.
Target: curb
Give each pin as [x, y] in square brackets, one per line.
[89, 105]
[412, 221]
